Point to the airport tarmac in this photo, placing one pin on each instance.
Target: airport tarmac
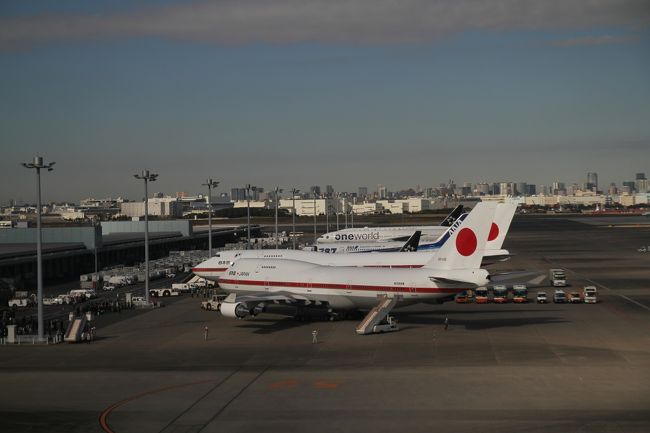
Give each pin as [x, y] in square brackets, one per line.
[499, 368]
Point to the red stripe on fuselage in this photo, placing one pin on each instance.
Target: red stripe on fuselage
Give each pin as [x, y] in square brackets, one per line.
[358, 287]
[209, 269]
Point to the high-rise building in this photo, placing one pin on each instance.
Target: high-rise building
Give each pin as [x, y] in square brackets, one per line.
[482, 188]
[558, 188]
[382, 191]
[238, 194]
[363, 192]
[629, 186]
[532, 189]
[315, 190]
[641, 183]
[522, 188]
[329, 190]
[592, 182]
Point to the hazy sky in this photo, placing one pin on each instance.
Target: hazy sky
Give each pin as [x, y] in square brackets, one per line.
[313, 92]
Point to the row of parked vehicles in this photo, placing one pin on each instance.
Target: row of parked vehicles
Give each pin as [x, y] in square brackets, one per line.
[500, 294]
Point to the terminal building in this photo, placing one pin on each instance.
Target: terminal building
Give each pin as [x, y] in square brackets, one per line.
[71, 251]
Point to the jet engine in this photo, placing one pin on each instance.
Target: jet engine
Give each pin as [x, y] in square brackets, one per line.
[236, 310]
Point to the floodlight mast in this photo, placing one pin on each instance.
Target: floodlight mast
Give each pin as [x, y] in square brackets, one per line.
[147, 177]
[276, 199]
[294, 191]
[249, 187]
[38, 164]
[210, 184]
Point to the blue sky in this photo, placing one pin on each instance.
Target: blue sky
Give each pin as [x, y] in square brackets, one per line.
[276, 94]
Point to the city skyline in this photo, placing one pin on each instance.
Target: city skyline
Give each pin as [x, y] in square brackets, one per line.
[348, 93]
[263, 190]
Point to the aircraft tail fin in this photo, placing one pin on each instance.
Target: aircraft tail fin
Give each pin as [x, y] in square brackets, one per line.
[412, 243]
[465, 246]
[499, 229]
[453, 216]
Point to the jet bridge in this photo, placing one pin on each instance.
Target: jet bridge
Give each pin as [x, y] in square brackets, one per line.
[378, 314]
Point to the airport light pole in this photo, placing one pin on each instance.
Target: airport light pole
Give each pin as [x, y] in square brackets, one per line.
[338, 203]
[327, 217]
[345, 210]
[210, 184]
[38, 164]
[147, 177]
[275, 197]
[248, 211]
[294, 191]
[314, 220]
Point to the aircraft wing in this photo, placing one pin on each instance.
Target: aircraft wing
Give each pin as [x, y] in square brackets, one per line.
[449, 281]
[266, 297]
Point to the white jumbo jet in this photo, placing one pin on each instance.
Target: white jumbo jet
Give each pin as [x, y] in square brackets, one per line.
[215, 267]
[254, 283]
[388, 234]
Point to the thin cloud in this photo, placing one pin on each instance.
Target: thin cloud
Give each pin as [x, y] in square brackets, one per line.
[363, 22]
[588, 41]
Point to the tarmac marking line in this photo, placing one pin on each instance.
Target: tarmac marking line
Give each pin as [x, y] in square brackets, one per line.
[217, 385]
[103, 417]
[241, 391]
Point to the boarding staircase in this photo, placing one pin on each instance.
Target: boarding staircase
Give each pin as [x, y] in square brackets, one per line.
[377, 314]
[75, 329]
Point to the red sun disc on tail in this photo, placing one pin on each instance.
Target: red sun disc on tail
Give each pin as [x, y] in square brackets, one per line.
[466, 242]
[494, 232]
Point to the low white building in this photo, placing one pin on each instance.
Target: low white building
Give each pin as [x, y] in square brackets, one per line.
[164, 206]
[259, 204]
[305, 207]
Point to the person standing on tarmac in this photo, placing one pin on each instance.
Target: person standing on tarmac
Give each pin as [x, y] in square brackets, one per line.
[205, 333]
[446, 323]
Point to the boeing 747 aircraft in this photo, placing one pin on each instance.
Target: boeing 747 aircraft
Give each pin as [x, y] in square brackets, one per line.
[255, 283]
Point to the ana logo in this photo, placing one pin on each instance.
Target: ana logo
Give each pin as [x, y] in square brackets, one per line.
[494, 232]
[466, 242]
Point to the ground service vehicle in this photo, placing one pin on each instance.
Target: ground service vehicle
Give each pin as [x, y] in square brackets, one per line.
[183, 287]
[164, 292]
[575, 298]
[500, 294]
[559, 297]
[214, 303]
[519, 293]
[541, 298]
[389, 326]
[51, 301]
[590, 294]
[481, 295]
[83, 293]
[557, 277]
[109, 288]
[462, 298]
[19, 302]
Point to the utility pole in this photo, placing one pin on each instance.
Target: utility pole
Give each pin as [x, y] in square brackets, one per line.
[37, 164]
